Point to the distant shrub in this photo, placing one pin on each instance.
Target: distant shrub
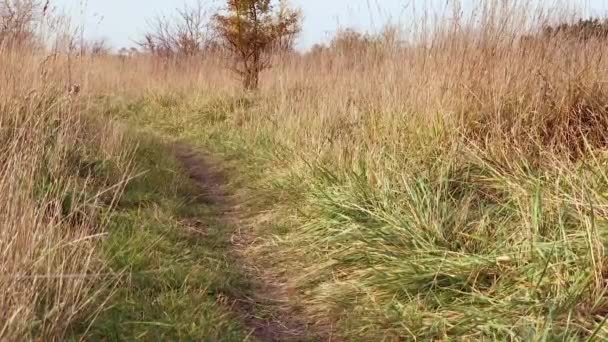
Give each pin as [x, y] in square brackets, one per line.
[350, 41]
[584, 29]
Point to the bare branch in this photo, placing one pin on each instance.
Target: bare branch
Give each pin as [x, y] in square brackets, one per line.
[187, 33]
[17, 21]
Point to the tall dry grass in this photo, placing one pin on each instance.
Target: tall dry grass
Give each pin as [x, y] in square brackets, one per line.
[60, 172]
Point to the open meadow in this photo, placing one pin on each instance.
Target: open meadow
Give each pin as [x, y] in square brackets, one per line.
[447, 180]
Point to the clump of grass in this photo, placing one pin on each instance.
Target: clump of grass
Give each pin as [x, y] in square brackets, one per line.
[475, 252]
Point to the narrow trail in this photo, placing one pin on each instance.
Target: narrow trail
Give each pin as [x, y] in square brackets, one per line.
[266, 311]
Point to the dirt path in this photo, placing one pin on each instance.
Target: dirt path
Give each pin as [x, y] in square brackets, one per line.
[266, 311]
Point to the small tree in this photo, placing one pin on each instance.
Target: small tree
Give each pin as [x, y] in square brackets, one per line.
[250, 30]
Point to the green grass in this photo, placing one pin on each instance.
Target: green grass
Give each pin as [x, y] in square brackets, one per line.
[177, 275]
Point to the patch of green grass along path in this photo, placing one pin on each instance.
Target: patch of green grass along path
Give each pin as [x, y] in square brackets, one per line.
[173, 256]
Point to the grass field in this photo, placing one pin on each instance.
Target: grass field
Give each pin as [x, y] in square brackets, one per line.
[454, 189]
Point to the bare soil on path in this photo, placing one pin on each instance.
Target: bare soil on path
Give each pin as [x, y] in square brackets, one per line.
[266, 310]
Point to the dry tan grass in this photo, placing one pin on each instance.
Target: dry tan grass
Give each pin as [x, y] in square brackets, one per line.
[50, 211]
[473, 77]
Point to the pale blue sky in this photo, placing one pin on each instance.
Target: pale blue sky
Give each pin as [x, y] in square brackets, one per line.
[122, 21]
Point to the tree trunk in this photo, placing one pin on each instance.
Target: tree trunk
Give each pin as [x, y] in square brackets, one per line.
[251, 80]
[252, 77]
